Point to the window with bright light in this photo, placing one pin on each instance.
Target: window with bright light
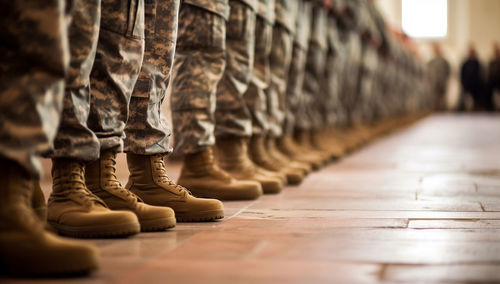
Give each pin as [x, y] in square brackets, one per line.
[425, 18]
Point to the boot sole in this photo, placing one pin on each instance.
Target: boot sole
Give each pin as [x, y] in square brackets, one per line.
[226, 196]
[293, 180]
[104, 231]
[157, 224]
[203, 216]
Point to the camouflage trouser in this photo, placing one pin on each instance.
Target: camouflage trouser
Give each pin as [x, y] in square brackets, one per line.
[332, 72]
[350, 92]
[315, 95]
[198, 67]
[367, 98]
[280, 58]
[255, 96]
[147, 129]
[232, 115]
[297, 115]
[34, 58]
[107, 47]
[330, 87]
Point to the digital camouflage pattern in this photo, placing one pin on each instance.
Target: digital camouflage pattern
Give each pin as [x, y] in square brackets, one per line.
[147, 130]
[107, 47]
[232, 115]
[333, 72]
[280, 58]
[285, 13]
[314, 94]
[255, 97]
[34, 63]
[198, 67]
[74, 139]
[219, 7]
[266, 10]
[297, 115]
[120, 51]
[253, 4]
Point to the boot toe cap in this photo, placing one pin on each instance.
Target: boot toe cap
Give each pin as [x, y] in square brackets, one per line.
[105, 223]
[155, 218]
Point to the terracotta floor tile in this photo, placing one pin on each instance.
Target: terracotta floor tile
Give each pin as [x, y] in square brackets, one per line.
[421, 205]
[468, 273]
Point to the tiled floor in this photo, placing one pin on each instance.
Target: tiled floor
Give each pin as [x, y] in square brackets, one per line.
[422, 205]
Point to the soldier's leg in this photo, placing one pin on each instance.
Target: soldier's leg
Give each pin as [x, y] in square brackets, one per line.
[31, 88]
[296, 115]
[76, 144]
[198, 67]
[119, 57]
[255, 97]
[232, 115]
[233, 126]
[313, 96]
[280, 58]
[148, 132]
[324, 139]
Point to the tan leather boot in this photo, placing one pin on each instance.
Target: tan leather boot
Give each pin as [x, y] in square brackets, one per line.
[74, 211]
[100, 178]
[258, 154]
[287, 145]
[294, 173]
[303, 138]
[25, 247]
[148, 179]
[205, 178]
[320, 140]
[38, 201]
[304, 167]
[350, 141]
[232, 155]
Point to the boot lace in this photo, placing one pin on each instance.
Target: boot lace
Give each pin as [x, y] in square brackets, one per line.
[113, 185]
[163, 177]
[72, 182]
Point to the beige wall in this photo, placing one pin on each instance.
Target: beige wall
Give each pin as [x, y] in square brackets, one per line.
[476, 21]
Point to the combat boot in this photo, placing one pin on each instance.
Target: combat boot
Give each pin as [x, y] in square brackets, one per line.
[74, 211]
[320, 140]
[100, 178]
[287, 145]
[347, 138]
[258, 154]
[205, 178]
[303, 138]
[148, 179]
[38, 202]
[25, 247]
[232, 154]
[294, 172]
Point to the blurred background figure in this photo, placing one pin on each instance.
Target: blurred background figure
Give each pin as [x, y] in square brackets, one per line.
[439, 74]
[473, 84]
[494, 76]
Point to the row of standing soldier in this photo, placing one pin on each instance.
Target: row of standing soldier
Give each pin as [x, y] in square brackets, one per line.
[262, 92]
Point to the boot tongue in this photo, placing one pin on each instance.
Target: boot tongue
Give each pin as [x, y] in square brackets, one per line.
[160, 174]
[111, 183]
